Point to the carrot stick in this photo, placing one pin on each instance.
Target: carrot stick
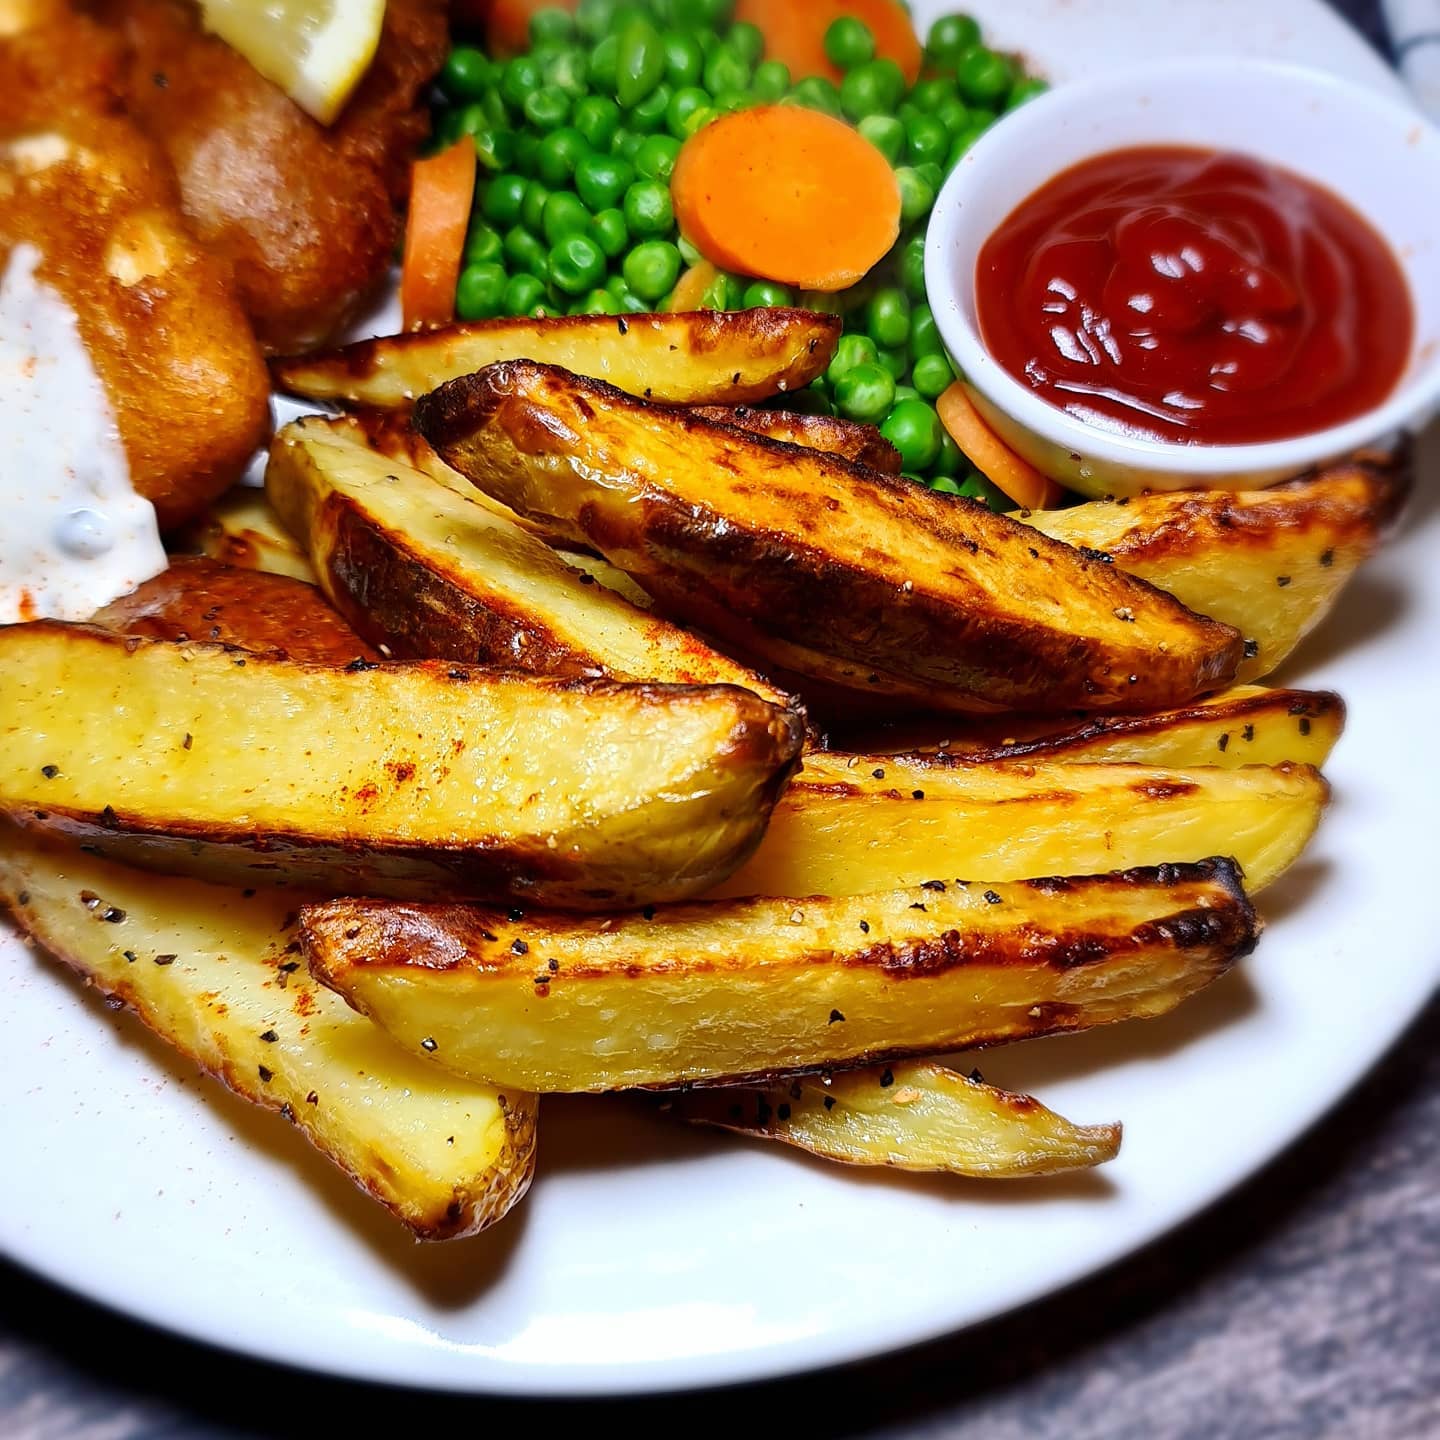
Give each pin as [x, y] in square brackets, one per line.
[786, 194]
[441, 189]
[507, 30]
[990, 455]
[794, 32]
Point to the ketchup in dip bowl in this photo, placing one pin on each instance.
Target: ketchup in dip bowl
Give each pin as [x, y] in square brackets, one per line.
[1195, 297]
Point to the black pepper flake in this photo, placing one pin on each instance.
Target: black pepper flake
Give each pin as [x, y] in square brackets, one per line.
[515, 913]
[360, 664]
[188, 741]
[648, 913]
[1252, 649]
[878, 774]
[312, 1098]
[287, 1113]
[864, 927]
[836, 1017]
[23, 897]
[621, 325]
[289, 967]
[648, 392]
[49, 771]
[449, 1139]
[1282, 581]
[936, 885]
[89, 899]
[762, 1110]
[130, 955]
[991, 898]
[160, 80]
[269, 1036]
[916, 905]
[1248, 733]
[977, 1077]
[887, 1079]
[1102, 557]
[735, 378]
[519, 947]
[112, 915]
[586, 578]
[240, 664]
[248, 894]
[829, 1102]
[353, 933]
[1223, 743]
[917, 794]
[1034, 553]
[266, 1074]
[1304, 727]
[783, 1111]
[554, 966]
[107, 816]
[1328, 559]
[428, 1044]
[165, 959]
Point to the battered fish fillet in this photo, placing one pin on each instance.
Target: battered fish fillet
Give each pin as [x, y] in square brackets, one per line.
[308, 215]
[98, 201]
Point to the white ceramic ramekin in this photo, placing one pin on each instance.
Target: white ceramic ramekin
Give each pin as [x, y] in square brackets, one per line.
[1374, 152]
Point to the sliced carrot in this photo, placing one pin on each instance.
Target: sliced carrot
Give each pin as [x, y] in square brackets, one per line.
[990, 455]
[794, 32]
[507, 30]
[689, 291]
[786, 194]
[441, 191]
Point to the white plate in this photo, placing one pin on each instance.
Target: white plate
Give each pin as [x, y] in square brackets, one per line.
[647, 1257]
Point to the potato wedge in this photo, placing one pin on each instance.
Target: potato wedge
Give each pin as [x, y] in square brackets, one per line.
[398, 778]
[978, 610]
[241, 529]
[726, 990]
[849, 824]
[850, 440]
[914, 1115]
[1268, 562]
[429, 574]
[1245, 725]
[214, 973]
[704, 357]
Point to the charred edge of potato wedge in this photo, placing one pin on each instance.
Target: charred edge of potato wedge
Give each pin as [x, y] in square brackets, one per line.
[724, 527]
[735, 991]
[242, 529]
[698, 357]
[211, 972]
[916, 1116]
[849, 439]
[415, 778]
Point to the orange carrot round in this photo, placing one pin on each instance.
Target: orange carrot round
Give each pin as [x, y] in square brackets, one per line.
[786, 194]
[794, 32]
[990, 455]
[441, 189]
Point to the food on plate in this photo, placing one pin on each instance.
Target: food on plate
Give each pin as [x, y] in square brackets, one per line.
[306, 214]
[1010, 473]
[441, 188]
[721, 526]
[728, 990]
[201, 599]
[788, 194]
[429, 574]
[1183, 295]
[114, 315]
[852, 823]
[216, 973]
[396, 778]
[913, 1115]
[800, 34]
[863, 444]
[240, 529]
[1269, 562]
[701, 359]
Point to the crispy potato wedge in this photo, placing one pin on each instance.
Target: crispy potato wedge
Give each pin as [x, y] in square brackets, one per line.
[726, 990]
[855, 823]
[213, 972]
[850, 440]
[914, 1115]
[427, 573]
[974, 608]
[1245, 725]
[399, 778]
[703, 357]
[1268, 562]
[242, 529]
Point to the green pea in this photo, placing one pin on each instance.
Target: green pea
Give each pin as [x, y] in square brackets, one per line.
[501, 202]
[722, 293]
[494, 149]
[598, 302]
[649, 115]
[822, 302]
[814, 399]
[483, 245]
[627, 144]
[445, 133]
[560, 151]
[568, 70]
[963, 141]
[525, 251]
[728, 101]
[699, 119]
[522, 294]
[949, 460]
[684, 59]
[932, 376]
[652, 268]
[527, 152]
[949, 38]
[532, 207]
[854, 349]
[771, 81]
[604, 65]
[639, 62]
[926, 139]
[917, 195]
[600, 180]
[914, 429]
[905, 112]
[594, 19]
[467, 75]
[890, 78]
[861, 93]
[577, 264]
[766, 294]
[905, 392]
[976, 487]
[849, 42]
[597, 118]
[564, 215]
[615, 285]
[954, 115]
[547, 108]
[610, 232]
[688, 253]
[932, 173]
[865, 392]
[683, 103]
[983, 76]
[480, 291]
[929, 95]
[521, 77]
[547, 25]
[1025, 89]
[655, 160]
[647, 208]
[725, 70]
[924, 333]
[747, 42]
[886, 134]
[945, 485]
[815, 92]
[912, 268]
[897, 362]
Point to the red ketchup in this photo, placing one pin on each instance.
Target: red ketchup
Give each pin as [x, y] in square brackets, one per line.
[1183, 295]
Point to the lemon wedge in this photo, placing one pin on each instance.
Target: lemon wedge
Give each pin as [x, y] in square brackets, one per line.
[315, 50]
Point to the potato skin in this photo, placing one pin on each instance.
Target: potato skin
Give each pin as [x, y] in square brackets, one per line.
[850, 440]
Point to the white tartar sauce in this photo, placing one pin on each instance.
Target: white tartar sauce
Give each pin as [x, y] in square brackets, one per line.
[74, 535]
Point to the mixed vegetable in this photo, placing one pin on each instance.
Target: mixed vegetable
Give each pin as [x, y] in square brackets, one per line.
[727, 154]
